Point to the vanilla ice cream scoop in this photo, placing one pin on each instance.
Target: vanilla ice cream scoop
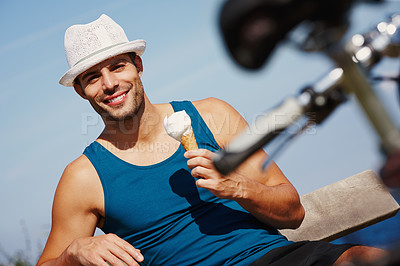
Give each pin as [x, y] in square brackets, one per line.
[179, 126]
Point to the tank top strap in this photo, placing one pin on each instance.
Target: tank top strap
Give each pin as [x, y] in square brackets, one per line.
[205, 138]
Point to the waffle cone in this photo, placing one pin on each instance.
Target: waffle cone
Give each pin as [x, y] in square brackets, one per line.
[189, 141]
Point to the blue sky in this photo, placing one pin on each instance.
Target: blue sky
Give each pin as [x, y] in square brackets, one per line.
[45, 125]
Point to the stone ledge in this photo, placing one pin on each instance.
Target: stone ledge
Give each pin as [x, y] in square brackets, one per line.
[344, 207]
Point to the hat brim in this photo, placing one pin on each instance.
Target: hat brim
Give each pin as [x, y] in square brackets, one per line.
[137, 46]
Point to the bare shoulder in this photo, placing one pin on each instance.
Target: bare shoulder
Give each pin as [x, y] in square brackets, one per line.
[79, 171]
[222, 119]
[80, 184]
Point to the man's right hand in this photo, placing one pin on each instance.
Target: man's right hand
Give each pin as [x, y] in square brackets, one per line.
[101, 249]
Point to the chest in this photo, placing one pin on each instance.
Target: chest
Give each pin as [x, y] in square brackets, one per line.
[144, 197]
[145, 154]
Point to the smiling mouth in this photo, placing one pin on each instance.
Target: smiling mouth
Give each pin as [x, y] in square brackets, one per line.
[116, 100]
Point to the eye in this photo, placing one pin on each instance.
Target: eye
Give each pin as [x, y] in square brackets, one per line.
[93, 78]
[117, 67]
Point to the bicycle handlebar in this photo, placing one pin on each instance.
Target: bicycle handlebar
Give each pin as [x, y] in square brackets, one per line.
[321, 97]
[264, 130]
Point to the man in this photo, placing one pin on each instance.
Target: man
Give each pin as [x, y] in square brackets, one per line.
[135, 183]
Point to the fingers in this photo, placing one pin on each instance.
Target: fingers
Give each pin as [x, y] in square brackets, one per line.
[133, 252]
[200, 162]
[124, 252]
[203, 172]
[105, 250]
[202, 166]
[118, 257]
[199, 153]
[200, 157]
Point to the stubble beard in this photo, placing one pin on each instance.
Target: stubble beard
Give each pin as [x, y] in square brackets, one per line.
[128, 110]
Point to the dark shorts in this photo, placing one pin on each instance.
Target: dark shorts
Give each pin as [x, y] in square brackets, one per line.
[304, 253]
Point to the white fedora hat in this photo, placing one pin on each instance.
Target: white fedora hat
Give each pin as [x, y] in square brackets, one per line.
[89, 44]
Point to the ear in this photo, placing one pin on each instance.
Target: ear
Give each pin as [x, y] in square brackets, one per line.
[80, 91]
[139, 65]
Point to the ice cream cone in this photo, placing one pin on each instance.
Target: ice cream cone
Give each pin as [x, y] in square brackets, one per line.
[178, 126]
[189, 141]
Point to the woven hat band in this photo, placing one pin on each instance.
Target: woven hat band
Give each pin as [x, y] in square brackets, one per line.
[97, 52]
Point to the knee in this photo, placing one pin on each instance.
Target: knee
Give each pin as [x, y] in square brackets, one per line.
[362, 254]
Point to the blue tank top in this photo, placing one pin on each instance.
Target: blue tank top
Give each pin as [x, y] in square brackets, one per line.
[159, 209]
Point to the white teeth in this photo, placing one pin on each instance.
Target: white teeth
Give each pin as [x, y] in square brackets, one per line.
[117, 98]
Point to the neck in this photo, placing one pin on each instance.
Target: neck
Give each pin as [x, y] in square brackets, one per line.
[143, 127]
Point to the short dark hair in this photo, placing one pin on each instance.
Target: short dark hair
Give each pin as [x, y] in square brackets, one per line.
[76, 81]
[132, 56]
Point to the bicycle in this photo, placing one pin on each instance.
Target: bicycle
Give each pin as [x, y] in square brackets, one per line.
[313, 104]
[251, 32]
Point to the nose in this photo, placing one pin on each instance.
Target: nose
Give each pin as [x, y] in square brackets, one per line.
[110, 82]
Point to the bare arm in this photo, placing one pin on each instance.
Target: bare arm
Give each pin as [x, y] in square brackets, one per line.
[268, 195]
[77, 208]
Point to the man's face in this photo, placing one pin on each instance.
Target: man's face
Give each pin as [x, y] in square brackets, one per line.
[113, 87]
